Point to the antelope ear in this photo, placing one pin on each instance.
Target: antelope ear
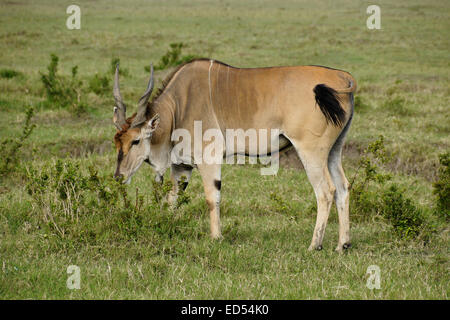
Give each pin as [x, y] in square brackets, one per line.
[150, 126]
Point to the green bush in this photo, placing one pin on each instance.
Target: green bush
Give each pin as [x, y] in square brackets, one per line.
[75, 204]
[122, 71]
[99, 84]
[11, 146]
[441, 188]
[368, 180]
[406, 218]
[56, 87]
[9, 73]
[65, 93]
[63, 193]
[172, 57]
[371, 197]
[183, 197]
[160, 192]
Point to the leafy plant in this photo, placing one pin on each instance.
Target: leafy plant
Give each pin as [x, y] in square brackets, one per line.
[99, 84]
[172, 57]
[63, 193]
[70, 201]
[367, 177]
[66, 93]
[182, 197]
[372, 157]
[9, 73]
[406, 218]
[56, 88]
[370, 197]
[11, 146]
[441, 188]
[160, 192]
[122, 71]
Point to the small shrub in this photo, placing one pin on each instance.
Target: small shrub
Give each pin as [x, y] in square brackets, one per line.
[8, 73]
[63, 194]
[160, 193]
[371, 198]
[122, 71]
[99, 84]
[75, 205]
[407, 220]
[172, 57]
[55, 87]
[11, 146]
[105, 188]
[441, 188]
[368, 179]
[183, 197]
[64, 92]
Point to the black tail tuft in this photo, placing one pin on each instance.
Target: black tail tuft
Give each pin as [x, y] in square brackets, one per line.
[328, 101]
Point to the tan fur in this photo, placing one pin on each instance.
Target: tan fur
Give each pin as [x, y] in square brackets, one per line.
[125, 137]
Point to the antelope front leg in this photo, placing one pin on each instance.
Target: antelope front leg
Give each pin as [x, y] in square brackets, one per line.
[177, 172]
[211, 182]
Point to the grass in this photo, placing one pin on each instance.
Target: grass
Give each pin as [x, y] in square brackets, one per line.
[267, 221]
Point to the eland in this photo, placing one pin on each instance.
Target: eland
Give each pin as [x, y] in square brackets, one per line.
[310, 106]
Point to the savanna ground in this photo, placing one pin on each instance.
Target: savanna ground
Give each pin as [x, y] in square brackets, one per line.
[151, 251]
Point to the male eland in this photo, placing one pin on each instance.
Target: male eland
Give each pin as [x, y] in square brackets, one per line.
[310, 106]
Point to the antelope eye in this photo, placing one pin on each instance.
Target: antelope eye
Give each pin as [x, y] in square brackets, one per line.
[135, 142]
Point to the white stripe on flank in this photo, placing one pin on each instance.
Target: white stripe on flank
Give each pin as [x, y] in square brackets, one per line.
[210, 96]
[209, 81]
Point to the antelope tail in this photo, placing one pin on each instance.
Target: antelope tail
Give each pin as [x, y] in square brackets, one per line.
[328, 101]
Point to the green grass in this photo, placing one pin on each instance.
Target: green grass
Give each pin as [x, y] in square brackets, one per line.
[267, 222]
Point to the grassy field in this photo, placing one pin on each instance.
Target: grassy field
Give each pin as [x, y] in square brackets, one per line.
[267, 221]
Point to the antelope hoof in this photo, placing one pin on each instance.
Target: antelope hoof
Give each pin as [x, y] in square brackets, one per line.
[216, 236]
[345, 246]
[313, 247]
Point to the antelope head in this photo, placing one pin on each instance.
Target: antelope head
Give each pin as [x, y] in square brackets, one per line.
[133, 137]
